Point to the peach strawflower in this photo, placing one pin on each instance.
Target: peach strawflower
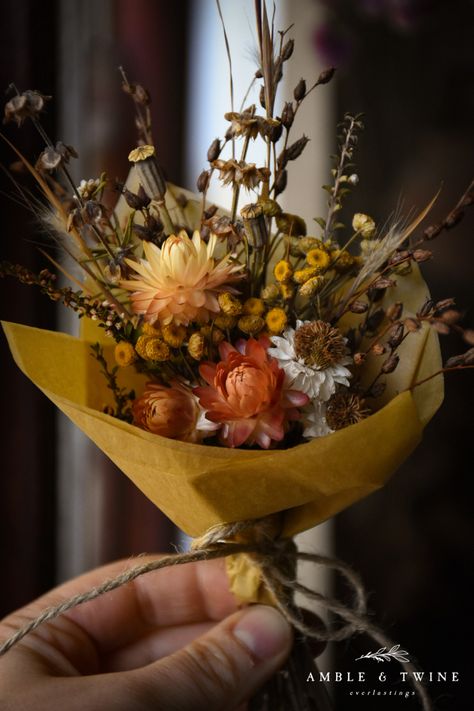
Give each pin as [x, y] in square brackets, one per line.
[245, 393]
[180, 282]
[172, 412]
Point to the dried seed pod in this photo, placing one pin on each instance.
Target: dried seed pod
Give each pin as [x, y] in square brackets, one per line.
[426, 308]
[255, 225]
[455, 361]
[375, 294]
[412, 324]
[374, 321]
[137, 201]
[296, 149]
[202, 182]
[394, 311]
[358, 307]
[390, 364]
[29, 104]
[214, 150]
[149, 172]
[396, 335]
[288, 114]
[444, 304]
[300, 90]
[432, 231]
[422, 255]
[49, 159]
[384, 283]
[468, 336]
[326, 75]
[287, 50]
[399, 257]
[291, 224]
[450, 316]
[469, 356]
[210, 212]
[281, 181]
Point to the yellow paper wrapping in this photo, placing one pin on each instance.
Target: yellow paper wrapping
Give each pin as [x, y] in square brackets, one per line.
[199, 486]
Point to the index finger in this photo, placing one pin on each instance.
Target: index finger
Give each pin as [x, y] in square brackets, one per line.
[178, 595]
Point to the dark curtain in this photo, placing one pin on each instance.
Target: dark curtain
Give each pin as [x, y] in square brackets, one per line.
[146, 35]
[412, 541]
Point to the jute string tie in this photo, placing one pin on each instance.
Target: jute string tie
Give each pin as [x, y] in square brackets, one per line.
[273, 556]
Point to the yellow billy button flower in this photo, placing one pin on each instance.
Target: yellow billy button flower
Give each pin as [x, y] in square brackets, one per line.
[312, 286]
[342, 260]
[173, 334]
[225, 322]
[306, 244]
[197, 346]
[251, 324]
[318, 258]
[125, 354]
[270, 293]
[213, 333]
[276, 320]
[156, 349]
[152, 348]
[283, 271]
[229, 304]
[364, 225]
[254, 307]
[302, 275]
[149, 330]
[287, 291]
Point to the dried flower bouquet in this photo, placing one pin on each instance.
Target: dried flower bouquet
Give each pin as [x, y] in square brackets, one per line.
[244, 363]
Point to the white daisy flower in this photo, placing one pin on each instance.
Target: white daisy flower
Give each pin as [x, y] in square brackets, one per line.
[313, 357]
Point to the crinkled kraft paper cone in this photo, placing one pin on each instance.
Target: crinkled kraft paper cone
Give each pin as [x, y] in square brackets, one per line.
[199, 486]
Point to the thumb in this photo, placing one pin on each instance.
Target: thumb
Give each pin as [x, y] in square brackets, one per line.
[224, 667]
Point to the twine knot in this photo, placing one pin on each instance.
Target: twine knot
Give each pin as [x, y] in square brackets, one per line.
[276, 559]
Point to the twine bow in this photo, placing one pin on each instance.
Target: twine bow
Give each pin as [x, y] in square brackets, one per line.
[276, 559]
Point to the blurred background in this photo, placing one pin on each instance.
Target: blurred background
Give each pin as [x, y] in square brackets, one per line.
[409, 66]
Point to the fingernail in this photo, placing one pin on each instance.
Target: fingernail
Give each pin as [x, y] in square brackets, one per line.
[263, 631]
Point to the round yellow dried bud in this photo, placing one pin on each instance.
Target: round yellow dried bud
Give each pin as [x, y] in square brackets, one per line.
[197, 346]
[276, 320]
[254, 307]
[251, 324]
[212, 333]
[149, 330]
[270, 293]
[140, 345]
[305, 244]
[364, 225]
[174, 334]
[125, 354]
[283, 270]
[225, 322]
[229, 304]
[318, 258]
[342, 260]
[312, 286]
[287, 291]
[156, 349]
[303, 275]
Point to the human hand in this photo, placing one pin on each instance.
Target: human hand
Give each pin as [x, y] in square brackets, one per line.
[172, 640]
